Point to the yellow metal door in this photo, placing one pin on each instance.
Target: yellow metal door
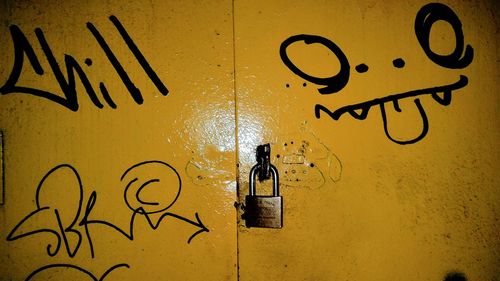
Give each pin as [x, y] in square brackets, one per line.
[126, 128]
[384, 126]
[117, 122]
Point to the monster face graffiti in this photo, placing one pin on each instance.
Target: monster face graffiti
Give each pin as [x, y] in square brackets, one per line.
[429, 14]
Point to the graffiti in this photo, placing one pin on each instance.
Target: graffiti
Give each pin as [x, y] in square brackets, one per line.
[65, 221]
[304, 161]
[69, 99]
[53, 219]
[132, 193]
[63, 218]
[78, 273]
[460, 58]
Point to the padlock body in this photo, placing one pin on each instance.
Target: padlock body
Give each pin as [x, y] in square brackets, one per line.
[264, 211]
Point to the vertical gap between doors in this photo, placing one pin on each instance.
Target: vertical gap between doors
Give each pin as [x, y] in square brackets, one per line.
[236, 130]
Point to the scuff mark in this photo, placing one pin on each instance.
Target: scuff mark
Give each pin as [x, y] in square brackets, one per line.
[304, 161]
[211, 167]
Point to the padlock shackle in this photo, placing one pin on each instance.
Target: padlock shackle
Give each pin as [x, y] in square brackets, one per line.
[274, 175]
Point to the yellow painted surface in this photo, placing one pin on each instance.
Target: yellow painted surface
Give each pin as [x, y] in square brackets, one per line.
[189, 46]
[1, 169]
[370, 208]
[78, 172]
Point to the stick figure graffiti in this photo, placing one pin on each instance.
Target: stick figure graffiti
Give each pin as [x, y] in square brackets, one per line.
[429, 14]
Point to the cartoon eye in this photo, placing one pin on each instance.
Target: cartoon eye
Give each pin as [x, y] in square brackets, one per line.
[334, 83]
[426, 17]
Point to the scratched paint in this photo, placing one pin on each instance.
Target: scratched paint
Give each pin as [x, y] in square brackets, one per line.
[210, 167]
[305, 162]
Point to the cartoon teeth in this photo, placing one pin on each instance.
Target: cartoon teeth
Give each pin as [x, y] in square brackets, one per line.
[359, 113]
[441, 94]
[443, 98]
[426, 17]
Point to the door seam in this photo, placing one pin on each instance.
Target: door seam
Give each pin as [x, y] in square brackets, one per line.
[236, 139]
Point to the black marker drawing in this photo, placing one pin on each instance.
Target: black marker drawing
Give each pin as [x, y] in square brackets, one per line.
[63, 220]
[81, 274]
[47, 218]
[132, 193]
[69, 97]
[460, 58]
[332, 84]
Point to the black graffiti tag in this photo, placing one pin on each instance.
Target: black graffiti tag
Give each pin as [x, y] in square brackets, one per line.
[459, 58]
[66, 222]
[81, 274]
[69, 97]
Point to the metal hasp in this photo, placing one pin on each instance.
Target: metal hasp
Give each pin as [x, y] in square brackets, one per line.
[264, 210]
[263, 154]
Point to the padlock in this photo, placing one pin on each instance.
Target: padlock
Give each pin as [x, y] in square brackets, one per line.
[264, 210]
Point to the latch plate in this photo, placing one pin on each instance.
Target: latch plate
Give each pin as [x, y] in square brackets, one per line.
[263, 155]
